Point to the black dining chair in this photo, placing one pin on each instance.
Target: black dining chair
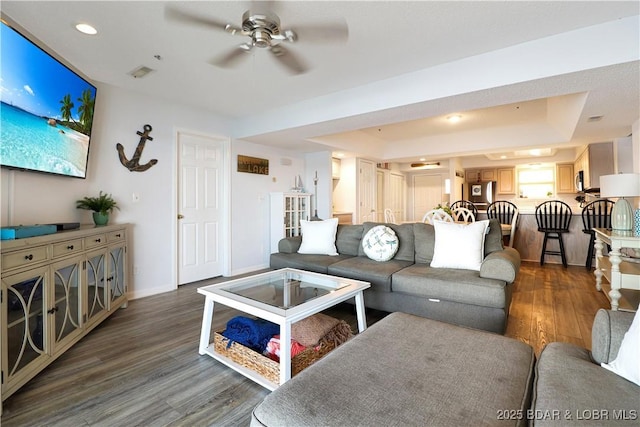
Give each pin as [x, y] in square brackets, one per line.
[507, 214]
[596, 214]
[553, 218]
[465, 204]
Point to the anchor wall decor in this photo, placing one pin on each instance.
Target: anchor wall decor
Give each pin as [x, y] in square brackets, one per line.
[134, 164]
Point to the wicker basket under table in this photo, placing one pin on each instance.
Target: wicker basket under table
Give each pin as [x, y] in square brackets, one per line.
[268, 368]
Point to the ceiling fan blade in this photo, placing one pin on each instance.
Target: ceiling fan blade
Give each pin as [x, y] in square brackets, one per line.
[334, 32]
[288, 59]
[175, 15]
[232, 57]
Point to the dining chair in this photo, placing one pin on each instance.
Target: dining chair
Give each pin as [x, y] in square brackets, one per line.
[436, 215]
[596, 214]
[389, 216]
[507, 214]
[553, 218]
[462, 215]
[466, 204]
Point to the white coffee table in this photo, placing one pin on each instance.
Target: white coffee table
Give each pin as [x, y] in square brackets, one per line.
[283, 297]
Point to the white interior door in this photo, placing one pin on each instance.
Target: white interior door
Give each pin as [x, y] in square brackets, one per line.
[200, 167]
[427, 193]
[366, 209]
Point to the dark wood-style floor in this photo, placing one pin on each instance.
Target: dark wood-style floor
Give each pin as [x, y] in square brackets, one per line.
[141, 367]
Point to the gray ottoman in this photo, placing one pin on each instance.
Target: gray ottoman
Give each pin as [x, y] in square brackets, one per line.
[408, 370]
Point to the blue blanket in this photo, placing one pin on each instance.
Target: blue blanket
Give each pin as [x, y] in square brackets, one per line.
[252, 333]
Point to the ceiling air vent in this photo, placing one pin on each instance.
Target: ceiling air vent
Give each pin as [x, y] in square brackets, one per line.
[140, 72]
[595, 118]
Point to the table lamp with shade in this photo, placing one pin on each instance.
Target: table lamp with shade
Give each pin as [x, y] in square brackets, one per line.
[621, 185]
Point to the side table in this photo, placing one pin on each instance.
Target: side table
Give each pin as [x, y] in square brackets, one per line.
[619, 273]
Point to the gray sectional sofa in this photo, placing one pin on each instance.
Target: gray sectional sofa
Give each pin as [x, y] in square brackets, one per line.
[410, 371]
[407, 283]
[572, 388]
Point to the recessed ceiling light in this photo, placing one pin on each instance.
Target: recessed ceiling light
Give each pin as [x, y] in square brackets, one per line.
[535, 152]
[86, 29]
[454, 118]
[422, 159]
[503, 157]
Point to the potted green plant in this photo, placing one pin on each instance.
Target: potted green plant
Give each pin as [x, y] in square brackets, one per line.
[101, 206]
[445, 208]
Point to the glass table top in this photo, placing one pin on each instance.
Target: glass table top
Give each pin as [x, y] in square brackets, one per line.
[284, 288]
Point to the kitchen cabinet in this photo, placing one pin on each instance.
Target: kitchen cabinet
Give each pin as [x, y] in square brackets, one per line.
[596, 160]
[477, 175]
[565, 182]
[287, 212]
[506, 180]
[47, 295]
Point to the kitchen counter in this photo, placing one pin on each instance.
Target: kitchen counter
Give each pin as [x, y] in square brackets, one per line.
[528, 240]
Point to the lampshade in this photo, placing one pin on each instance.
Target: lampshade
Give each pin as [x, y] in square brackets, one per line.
[621, 185]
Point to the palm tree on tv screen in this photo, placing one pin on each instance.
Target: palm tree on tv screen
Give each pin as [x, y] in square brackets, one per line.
[67, 106]
[86, 110]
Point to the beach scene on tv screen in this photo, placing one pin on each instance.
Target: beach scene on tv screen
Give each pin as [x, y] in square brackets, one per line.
[46, 110]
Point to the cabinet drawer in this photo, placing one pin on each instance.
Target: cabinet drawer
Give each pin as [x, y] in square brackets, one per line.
[95, 240]
[67, 248]
[26, 257]
[116, 236]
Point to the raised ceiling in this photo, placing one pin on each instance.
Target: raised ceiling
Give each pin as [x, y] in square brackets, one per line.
[521, 74]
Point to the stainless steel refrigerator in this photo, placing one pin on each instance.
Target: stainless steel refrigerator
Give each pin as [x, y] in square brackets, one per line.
[481, 194]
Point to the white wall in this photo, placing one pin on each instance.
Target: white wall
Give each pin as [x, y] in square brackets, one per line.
[320, 163]
[31, 198]
[250, 202]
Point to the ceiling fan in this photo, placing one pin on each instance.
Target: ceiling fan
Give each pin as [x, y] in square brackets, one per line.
[264, 32]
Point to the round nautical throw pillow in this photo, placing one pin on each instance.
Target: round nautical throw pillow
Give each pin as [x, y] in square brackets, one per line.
[380, 243]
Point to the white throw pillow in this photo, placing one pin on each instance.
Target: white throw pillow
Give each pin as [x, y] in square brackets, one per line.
[319, 237]
[459, 245]
[380, 243]
[627, 362]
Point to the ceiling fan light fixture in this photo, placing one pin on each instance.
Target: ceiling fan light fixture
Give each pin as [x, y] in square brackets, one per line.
[261, 38]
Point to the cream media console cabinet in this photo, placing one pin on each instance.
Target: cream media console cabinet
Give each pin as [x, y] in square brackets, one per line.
[55, 289]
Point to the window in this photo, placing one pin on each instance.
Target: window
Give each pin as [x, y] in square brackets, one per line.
[536, 181]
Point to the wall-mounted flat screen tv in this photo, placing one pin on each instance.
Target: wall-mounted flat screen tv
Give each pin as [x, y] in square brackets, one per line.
[47, 110]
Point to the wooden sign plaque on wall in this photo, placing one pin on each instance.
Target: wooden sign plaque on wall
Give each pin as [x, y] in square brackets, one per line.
[253, 165]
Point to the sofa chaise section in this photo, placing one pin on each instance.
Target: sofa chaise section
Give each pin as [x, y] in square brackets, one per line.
[406, 370]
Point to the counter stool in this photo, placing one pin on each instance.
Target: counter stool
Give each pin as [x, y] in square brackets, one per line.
[596, 214]
[466, 204]
[553, 218]
[507, 214]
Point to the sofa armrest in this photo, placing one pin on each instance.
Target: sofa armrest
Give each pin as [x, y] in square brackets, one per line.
[501, 265]
[607, 332]
[289, 245]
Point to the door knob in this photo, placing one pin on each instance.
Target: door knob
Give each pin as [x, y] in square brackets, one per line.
[180, 216]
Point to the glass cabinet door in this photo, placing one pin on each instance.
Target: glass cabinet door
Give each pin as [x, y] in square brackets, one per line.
[24, 338]
[96, 286]
[67, 304]
[116, 277]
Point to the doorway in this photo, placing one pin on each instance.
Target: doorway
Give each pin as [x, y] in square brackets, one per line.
[202, 206]
[427, 194]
